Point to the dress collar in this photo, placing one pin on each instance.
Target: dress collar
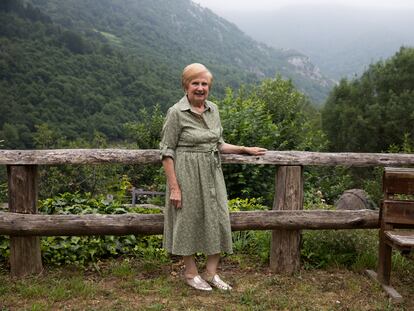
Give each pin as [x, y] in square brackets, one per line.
[184, 104]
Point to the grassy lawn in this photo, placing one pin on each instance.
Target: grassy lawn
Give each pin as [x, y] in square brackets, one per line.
[134, 284]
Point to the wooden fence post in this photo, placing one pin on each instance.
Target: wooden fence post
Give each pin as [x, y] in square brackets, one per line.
[285, 244]
[25, 256]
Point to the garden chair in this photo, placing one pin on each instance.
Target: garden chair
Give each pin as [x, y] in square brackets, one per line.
[396, 219]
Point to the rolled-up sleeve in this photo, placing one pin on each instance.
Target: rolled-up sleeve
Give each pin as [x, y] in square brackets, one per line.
[170, 134]
[221, 139]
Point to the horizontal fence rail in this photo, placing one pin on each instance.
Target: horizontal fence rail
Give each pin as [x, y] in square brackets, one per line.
[131, 156]
[59, 225]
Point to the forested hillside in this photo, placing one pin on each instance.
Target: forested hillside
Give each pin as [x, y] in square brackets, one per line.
[80, 70]
[180, 31]
[70, 84]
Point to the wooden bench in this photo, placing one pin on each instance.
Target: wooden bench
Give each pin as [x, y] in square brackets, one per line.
[396, 219]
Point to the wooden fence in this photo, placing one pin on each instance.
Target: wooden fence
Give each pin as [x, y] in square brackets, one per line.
[285, 220]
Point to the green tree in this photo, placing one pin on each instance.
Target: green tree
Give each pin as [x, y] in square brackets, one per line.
[10, 134]
[274, 115]
[74, 42]
[146, 133]
[45, 137]
[375, 111]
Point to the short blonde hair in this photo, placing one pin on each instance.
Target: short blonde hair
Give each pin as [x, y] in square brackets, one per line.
[192, 71]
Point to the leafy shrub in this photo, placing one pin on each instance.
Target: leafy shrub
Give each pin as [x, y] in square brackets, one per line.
[253, 204]
[354, 249]
[251, 242]
[79, 250]
[326, 184]
[345, 248]
[373, 185]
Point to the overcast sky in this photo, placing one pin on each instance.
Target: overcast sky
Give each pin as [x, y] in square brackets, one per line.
[249, 5]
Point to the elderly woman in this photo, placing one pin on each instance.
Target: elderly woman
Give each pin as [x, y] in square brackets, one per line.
[196, 212]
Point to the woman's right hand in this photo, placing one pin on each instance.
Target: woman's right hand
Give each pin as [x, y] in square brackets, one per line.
[175, 197]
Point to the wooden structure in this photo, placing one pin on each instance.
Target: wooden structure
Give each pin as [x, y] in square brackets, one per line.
[396, 216]
[285, 244]
[26, 225]
[135, 193]
[24, 252]
[286, 219]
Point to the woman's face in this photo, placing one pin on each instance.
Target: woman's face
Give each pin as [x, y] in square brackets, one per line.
[197, 90]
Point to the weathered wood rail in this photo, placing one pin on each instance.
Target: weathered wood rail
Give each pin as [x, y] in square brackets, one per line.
[286, 219]
[129, 156]
[17, 224]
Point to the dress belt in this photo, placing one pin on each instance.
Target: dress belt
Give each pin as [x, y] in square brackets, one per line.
[213, 153]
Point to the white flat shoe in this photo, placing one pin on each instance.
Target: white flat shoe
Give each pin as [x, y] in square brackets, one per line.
[198, 283]
[219, 283]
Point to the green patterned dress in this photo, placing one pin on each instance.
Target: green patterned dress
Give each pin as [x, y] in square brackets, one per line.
[202, 224]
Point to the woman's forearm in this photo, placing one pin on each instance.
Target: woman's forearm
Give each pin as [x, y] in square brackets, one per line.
[175, 191]
[229, 148]
[168, 164]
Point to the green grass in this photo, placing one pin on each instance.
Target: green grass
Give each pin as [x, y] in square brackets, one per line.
[77, 286]
[123, 284]
[124, 269]
[332, 278]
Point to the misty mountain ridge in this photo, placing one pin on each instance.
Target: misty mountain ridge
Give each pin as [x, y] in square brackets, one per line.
[341, 40]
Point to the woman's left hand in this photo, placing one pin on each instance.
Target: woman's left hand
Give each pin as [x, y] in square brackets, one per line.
[255, 150]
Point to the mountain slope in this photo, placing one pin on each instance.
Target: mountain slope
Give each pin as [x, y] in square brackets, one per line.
[181, 32]
[79, 70]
